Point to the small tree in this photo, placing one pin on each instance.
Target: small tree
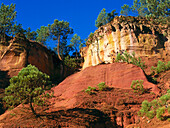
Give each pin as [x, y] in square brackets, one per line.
[28, 87]
[104, 17]
[7, 20]
[60, 31]
[31, 35]
[137, 86]
[76, 43]
[42, 34]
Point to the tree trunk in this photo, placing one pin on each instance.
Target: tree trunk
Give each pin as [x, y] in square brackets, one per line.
[32, 109]
[58, 48]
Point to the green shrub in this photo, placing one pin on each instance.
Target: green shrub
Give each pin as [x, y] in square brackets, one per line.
[161, 67]
[70, 62]
[154, 104]
[159, 112]
[169, 109]
[130, 59]
[28, 87]
[163, 99]
[90, 90]
[102, 86]
[150, 114]
[168, 91]
[137, 86]
[155, 107]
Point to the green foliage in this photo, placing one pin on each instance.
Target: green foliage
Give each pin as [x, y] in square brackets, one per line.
[43, 34]
[155, 107]
[70, 62]
[125, 10]
[161, 67]
[7, 20]
[90, 90]
[28, 87]
[158, 10]
[102, 86]
[90, 38]
[159, 112]
[163, 99]
[59, 31]
[31, 35]
[104, 17]
[18, 30]
[150, 114]
[137, 86]
[76, 43]
[101, 19]
[130, 59]
[168, 91]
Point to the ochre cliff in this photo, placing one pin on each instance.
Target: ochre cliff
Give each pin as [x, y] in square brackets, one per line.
[19, 52]
[126, 34]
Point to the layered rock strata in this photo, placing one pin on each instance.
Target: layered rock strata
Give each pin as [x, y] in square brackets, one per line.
[126, 34]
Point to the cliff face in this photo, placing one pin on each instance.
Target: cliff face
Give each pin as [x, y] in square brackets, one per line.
[18, 53]
[126, 34]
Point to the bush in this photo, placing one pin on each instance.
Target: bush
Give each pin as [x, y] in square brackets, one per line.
[161, 67]
[130, 59]
[70, 62]
[150, 114]
[102, 86]
[163, 99]
[90, 90]
[159, 112]
[28, 87]
[155, 107]
[138, 86]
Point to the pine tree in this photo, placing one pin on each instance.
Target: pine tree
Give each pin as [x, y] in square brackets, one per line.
[7, 20]
[28, 87]
[43, 34]
[76, 43]
[31, 35]
[60, 31]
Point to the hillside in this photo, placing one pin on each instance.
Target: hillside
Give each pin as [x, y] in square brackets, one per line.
[72, 106]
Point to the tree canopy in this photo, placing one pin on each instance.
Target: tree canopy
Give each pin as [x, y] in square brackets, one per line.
[28, 86]
[60, 31]
[76, 43]
[7, 20]
[155, 9]
[104, 17]
[43, 34]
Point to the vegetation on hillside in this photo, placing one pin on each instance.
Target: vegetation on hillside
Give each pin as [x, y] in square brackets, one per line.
[161, 67]
[104, 17]
[137, 86]
[156, 107]
[28, 87]
[157, 10]
[130, 59]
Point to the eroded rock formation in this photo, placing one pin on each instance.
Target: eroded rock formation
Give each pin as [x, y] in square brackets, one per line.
[19, 52]
[126, 34]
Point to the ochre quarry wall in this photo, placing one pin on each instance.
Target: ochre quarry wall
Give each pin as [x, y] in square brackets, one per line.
[18, 53]
[126, 34]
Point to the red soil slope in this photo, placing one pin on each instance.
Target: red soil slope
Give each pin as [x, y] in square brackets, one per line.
[118, 75]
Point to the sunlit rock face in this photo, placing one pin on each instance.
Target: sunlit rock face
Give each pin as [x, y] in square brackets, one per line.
[130, 34]
[18, 53]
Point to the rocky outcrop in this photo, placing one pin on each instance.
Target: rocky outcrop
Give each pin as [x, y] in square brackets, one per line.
[126, 34]
[19, 52]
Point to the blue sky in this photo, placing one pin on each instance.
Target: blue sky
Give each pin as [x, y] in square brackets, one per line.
[81, 14]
